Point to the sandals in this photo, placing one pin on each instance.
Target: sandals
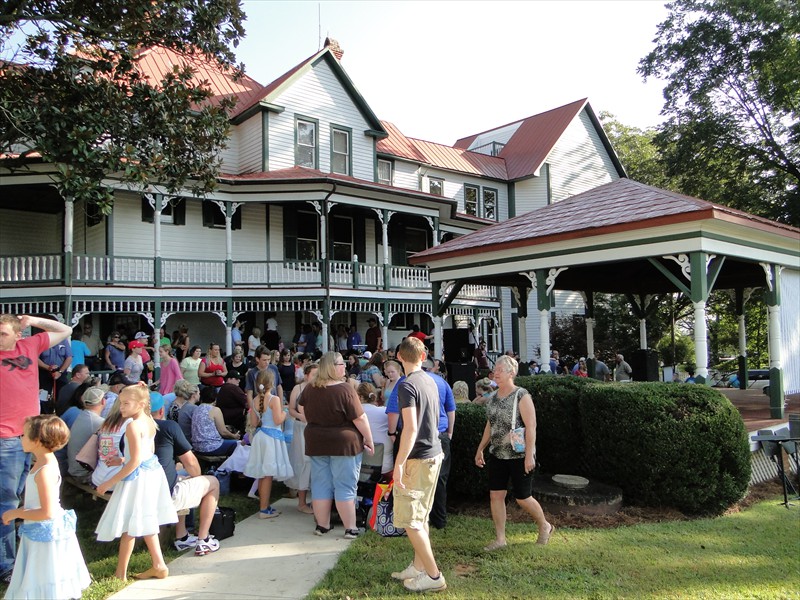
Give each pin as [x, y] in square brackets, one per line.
[543, 539]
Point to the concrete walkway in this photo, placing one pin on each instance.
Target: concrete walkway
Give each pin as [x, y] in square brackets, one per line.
[276, 559]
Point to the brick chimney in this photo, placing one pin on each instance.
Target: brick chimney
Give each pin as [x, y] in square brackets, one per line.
[335, 48]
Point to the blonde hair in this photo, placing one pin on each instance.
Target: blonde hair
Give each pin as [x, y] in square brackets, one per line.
[461, 391]
[265, 381]
[367, 393]
[114, 419]
[327, 370]
[508, 364]
[141, 394]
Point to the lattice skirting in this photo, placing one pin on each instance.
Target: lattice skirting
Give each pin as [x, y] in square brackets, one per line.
[763, 469]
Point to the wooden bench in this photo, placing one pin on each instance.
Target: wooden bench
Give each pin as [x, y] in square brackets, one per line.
[208, 460]
[87, 488]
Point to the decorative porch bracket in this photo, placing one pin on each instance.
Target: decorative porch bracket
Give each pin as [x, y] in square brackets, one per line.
[443, 294]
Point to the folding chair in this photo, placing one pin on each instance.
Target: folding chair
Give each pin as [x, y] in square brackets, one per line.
[772, 450]
[368, 478]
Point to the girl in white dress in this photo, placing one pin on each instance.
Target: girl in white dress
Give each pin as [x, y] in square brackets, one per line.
[49, 561]
[141, 501]
[269, 457]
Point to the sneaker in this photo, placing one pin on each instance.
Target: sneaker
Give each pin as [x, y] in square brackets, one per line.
[268, 513]
[351, 534]
[408, 573]
[7, 577]
[424, 583]
[320, 530]
[189, 541]
[211, 544]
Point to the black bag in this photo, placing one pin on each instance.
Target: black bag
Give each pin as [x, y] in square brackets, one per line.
[223, 523]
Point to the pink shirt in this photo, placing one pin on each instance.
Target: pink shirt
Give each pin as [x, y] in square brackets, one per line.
[170, 373]
[19, 383]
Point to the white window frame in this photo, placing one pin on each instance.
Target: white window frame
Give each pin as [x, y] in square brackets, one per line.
[334, 153]
[313, 147]
[390, 165]
[435, 180]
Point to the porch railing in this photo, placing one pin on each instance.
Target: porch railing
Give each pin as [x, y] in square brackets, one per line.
[148, 272]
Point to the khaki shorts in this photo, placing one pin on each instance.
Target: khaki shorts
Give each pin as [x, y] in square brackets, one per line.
[188, 493]
[412, 505]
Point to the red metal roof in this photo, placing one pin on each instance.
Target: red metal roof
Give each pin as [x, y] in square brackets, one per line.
[533, 140]
[156, 62]
[620, 205]
[439, 155]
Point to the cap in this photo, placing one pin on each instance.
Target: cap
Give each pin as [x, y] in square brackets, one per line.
[367, 355]
[233, 375]
[156, 402]
[119, 377]
[140, 335]
[93, 396]
[135, 344]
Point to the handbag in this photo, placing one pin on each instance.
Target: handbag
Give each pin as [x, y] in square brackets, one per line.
[517, 435]
[87, 456]
[223, 523]
[382, 517]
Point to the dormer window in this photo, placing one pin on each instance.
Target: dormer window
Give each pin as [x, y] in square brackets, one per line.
[436, 186]
[384, 171]
[340, 151]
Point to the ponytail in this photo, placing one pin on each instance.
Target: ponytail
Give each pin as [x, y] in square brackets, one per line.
[262, 392]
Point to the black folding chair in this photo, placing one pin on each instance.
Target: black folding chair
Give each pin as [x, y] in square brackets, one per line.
[368, 478]
[772, 450]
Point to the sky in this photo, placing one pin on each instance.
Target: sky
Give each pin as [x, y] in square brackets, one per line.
[444, 70]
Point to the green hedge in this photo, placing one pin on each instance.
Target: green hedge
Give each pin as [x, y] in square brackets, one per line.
[679, 446]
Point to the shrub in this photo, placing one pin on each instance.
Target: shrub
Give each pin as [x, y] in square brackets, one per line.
[466, 480]
[679, 446]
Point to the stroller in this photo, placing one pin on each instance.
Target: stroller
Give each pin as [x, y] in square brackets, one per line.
[368, 479]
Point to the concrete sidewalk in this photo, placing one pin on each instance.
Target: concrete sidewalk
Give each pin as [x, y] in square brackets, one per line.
[276, 559]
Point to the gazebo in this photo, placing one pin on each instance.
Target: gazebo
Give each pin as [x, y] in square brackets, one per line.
[629, 238]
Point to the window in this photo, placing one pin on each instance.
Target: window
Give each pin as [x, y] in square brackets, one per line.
[471, 200]
[416, 241]
[436, 186]
[342, 236]
[173, 211]
[384, 171]
[213, 217]
[340, 151]
[489, 203]
[306, 150]
[307, 235]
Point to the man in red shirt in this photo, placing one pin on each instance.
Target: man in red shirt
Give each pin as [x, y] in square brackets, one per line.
[19, 399]
[416, 333]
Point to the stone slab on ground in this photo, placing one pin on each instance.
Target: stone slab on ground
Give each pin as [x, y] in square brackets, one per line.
[275, 559]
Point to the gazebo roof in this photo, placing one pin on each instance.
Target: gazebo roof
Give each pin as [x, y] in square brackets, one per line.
[589, 235]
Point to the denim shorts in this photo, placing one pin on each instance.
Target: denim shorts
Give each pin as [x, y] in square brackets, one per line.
[335, 477]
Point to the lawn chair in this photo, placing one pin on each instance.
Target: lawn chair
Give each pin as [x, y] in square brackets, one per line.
[772, 450]
[368, 478]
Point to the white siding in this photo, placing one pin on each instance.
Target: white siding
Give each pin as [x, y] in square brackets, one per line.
[374, 246]
[531, 194]
[249, 140]
[790, 330]
[85, 239]
[499, 187]
[406, 175]
[501, 135]
[275, 233]
[579, 162]
[319, 95]
[134, 237]
[230, 154]
[17, 236]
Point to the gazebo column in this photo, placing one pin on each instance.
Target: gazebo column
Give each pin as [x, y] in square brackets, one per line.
[741, 296]
[521, 296]
[643, 308]
[437, 337]
[588, 300]
[702, 281]
[543, 304]
[772, 297]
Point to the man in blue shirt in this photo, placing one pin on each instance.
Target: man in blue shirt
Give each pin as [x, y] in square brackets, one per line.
[53, 366]
[447, 420]
[353, 338]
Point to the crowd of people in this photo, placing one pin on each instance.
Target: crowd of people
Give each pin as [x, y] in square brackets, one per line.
[294, 415]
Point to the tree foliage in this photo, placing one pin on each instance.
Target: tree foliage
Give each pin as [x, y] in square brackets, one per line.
[637, 150]
[732, 102]
[71, 93]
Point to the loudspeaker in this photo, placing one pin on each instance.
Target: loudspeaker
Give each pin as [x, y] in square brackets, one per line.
[644, 364]
[457, 348]
[462, 372]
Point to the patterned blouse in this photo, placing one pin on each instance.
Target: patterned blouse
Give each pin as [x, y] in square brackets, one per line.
[499, 412]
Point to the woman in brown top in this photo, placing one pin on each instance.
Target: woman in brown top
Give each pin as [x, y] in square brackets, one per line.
[337, 431]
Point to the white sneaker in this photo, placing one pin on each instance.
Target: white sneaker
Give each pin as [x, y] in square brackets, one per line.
[408, 573]
[189, 542]
[424, 583]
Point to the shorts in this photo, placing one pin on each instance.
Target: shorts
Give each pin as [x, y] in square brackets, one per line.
[335, 477]
[188, 493]
[501, 470]
[412, 505]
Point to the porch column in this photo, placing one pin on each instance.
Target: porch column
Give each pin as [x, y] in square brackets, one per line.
[523, 339]
[157, 202]
[544, 305]
[700, 290]
[157, 325]
[229, 209]
[437, 337]
[741, 296]
[69, 222]
[588, 300]
[385, 215]
[773, 300]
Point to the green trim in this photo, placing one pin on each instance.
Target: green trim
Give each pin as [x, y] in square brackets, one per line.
[445, 304]
[668, 274]
[297, 119]
[700, 287]
[265, 141]
[496, 201]
[512, 200]
[713, 271]
[547, 181]
[772, 297]
[613, 245]
[543, 299]
[349, 132]
[378, 135]
[255, 109]
[776, 400]
[477, 189]
[514, 327]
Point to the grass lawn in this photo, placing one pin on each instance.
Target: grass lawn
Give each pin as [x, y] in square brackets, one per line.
[751, 554]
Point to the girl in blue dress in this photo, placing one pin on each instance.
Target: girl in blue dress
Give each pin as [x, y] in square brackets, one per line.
[49, 561]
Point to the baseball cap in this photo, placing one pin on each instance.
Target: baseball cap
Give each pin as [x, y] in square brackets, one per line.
[118, 377]
[140, 335]
[93, 396]
[156, 402]
[233, 375]
[135, 344]
[367, 355]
